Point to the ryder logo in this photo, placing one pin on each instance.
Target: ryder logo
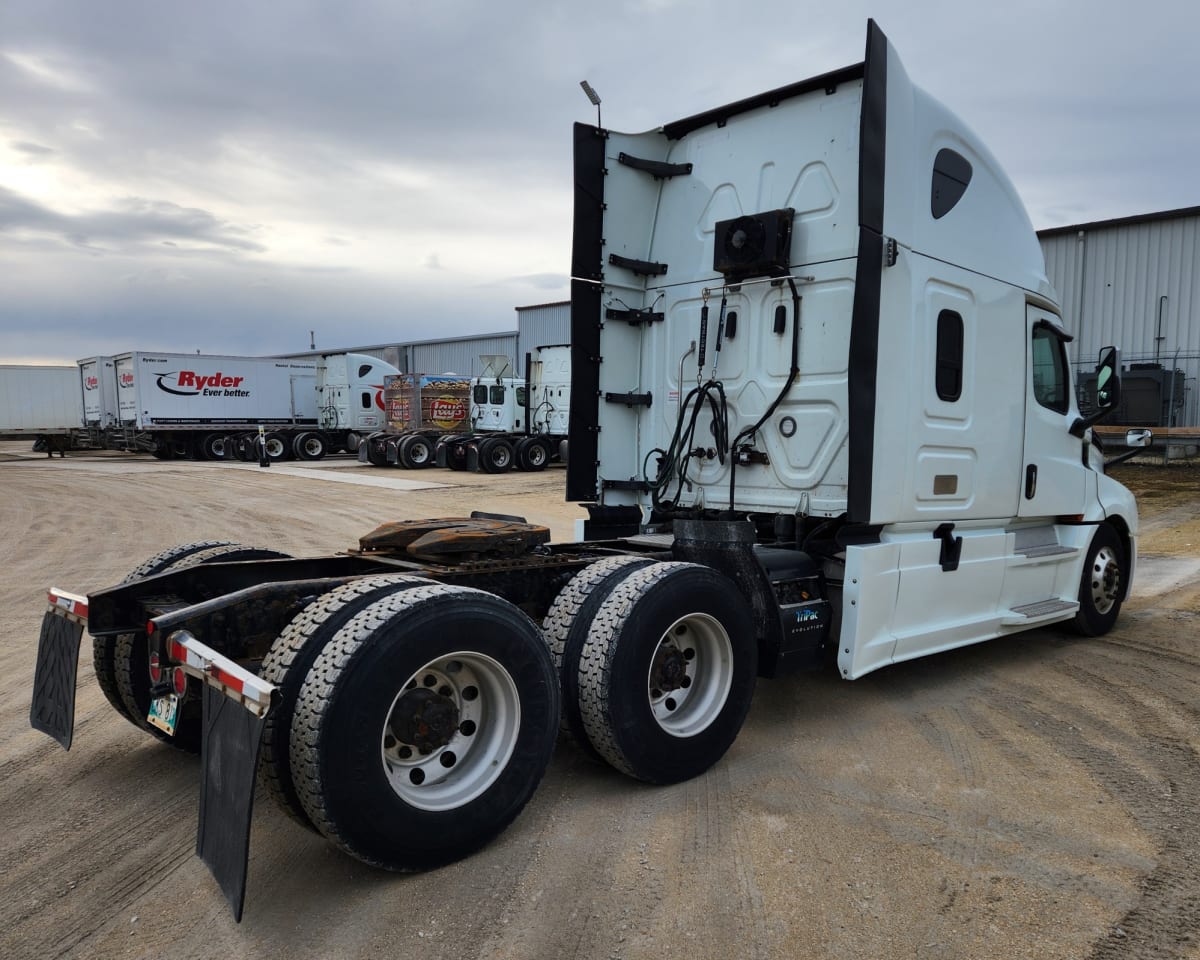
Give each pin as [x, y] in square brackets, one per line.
[125, 381]
[91, 383]
[188, 383]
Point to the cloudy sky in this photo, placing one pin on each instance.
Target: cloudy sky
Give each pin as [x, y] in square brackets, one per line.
[227, 176]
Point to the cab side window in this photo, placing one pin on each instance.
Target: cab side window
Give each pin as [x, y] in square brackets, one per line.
[1049, 370]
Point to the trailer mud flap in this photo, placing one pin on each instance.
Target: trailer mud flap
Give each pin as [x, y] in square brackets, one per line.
[232, 737]
[53, 708]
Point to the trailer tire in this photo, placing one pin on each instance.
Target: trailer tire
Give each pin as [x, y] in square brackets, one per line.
[213, 446]
[1104, 578]
[286, 665]
[481, 726]
[668, 671]
[566, 630]
[311, 445]
[416, 452]
[131, 654]
[532, 455]
[496, 455]
[456, 452]
[277, 447]
[104, 648]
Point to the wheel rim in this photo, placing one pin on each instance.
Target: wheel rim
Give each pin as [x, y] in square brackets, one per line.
[274, 448]
[216, 448]
[313, 447]
[537, 454]
[1106, 579]
[418, 452]
[690, 675]
[450, 731]
[501, 456]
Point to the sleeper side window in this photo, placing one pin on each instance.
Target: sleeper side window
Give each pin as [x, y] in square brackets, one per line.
[366, 400]
[497, 394]
[948, 370]
[1049, 370]
[951, 175]
[480, 393]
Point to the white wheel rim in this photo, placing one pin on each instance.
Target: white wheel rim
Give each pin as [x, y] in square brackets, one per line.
[1105, 579]
[501, 456]
[274, 447]
[419, 452]
[537, 454]
[481, 698]
[312, 447]
[690, 675]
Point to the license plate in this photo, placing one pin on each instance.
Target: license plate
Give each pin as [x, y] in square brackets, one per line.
[164, 713]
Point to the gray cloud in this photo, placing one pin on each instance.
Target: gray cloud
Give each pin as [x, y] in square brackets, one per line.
[229, 150]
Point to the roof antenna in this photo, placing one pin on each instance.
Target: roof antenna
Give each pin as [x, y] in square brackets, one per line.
[312, 343]
[593, 96]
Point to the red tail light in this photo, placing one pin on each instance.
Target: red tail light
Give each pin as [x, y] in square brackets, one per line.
[179, 681]
[155, 668]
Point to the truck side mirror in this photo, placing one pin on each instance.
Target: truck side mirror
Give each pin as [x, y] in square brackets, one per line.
[1139, 438]
[1108, 379]
[1108, 390]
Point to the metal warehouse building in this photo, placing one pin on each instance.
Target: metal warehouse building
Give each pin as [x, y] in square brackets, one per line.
[1134, 282]
[541, 325]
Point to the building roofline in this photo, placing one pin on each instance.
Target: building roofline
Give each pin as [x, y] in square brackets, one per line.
[1121, 221]
[535, 306]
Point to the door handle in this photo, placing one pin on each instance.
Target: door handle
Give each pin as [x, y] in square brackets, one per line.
[1030, 481]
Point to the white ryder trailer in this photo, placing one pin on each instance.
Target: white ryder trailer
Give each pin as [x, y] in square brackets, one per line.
[211, 407]
[822, 414]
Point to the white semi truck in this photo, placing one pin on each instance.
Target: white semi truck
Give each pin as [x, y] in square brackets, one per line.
[822, 415]
[211, 407]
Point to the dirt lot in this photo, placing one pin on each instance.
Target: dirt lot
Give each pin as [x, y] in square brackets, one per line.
[1037, 796]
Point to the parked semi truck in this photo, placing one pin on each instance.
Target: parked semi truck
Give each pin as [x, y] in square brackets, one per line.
[211, 407]
[41, 403]
[493, 422]
[421, 410]
[821, 415]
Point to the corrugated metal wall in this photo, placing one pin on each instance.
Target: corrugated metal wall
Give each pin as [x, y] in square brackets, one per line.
[460, 355]
[1136, 285]
[543, 325]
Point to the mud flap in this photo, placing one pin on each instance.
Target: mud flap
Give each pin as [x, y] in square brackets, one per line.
[232, 737]
[53, 708]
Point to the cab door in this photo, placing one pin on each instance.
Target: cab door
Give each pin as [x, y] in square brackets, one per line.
[1052, 478]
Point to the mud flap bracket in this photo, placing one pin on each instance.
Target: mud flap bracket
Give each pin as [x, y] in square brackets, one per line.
[232, 738]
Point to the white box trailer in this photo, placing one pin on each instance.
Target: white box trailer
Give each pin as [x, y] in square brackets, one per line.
[39, 401]
[212, 407]
[98, 380]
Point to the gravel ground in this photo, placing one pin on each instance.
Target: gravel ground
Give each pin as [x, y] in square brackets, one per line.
[1037, 796]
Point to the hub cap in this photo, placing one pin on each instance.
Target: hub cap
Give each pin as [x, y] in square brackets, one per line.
[690, 675]
[1106, 579]
[450, 731]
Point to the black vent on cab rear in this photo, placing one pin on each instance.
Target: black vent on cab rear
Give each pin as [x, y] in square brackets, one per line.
[758, 245]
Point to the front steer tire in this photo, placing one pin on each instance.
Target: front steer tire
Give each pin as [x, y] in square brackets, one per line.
[668, 671]
[459, 656]
[1102, 583]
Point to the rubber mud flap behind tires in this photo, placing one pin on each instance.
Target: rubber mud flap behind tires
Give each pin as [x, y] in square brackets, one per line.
[131, 656]
[668, 671]
[566, 631]
[424, 726]
[287, 663]
[1103, 582]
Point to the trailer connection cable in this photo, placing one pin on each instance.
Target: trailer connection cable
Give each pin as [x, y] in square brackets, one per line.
[673, 462]
[745, 438]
